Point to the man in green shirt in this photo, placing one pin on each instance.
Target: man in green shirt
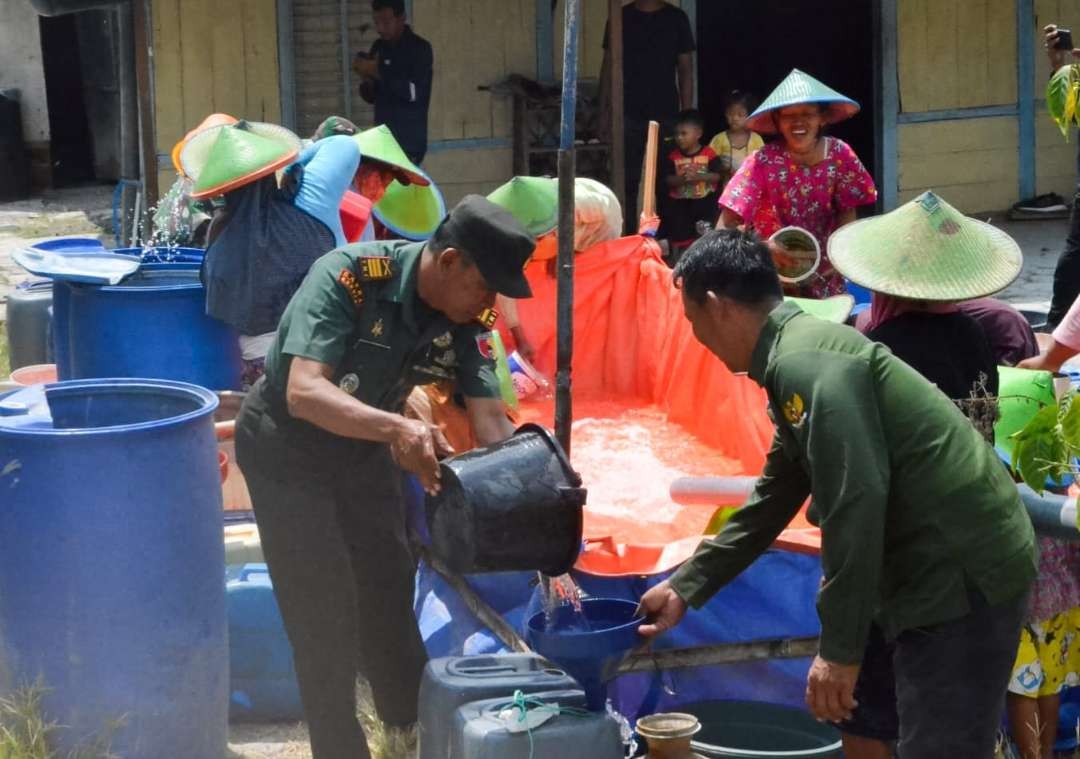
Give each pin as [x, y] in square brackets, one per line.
[924, 538]
[322, 440]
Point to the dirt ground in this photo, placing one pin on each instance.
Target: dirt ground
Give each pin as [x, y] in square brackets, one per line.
[275, 741]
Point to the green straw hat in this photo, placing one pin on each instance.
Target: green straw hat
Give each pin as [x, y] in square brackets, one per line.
[834, 309]
[799, 88]
[926, 250]
[411, 211]
[378, 144]
[226, 157]
[533, 201]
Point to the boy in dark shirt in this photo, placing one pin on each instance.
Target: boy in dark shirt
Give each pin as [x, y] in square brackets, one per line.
[691, 175]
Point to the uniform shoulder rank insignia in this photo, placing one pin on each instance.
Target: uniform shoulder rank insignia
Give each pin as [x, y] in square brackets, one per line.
[488, 317]
[351, 284]
[445, 340]
[375, 268]
[377, 328]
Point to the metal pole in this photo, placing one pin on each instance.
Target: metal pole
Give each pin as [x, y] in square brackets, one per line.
[564, 414]
[615, 73]
[346, 63]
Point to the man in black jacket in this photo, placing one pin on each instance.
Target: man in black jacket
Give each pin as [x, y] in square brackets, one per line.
[397, 77]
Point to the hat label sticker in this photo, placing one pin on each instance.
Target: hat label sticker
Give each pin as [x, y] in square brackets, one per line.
[794, 410]
[375, 268]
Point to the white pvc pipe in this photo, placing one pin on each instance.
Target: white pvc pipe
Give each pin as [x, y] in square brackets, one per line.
[712, 491]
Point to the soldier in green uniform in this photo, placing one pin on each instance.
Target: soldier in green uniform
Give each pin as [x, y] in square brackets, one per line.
[321, 440]
[924, 540]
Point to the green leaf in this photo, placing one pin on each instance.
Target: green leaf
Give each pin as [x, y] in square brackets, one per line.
[1070, 422]
[1039, 450]
[1057, 95]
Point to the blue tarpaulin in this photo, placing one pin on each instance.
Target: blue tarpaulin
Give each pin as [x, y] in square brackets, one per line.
[772, 599]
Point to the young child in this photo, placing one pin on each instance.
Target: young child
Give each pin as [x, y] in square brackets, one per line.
[737, 143]
[691, 174]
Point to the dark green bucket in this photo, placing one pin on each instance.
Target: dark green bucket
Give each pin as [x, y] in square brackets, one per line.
[753, 729]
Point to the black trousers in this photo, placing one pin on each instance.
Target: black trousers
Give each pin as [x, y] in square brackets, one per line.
[939, 691]
[332, 524]
[1067, 272]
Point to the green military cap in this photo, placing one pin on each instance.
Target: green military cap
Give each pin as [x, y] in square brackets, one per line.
[494, 239]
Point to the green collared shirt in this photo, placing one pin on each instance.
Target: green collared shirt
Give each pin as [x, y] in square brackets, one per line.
[914, 507]
[376, 333]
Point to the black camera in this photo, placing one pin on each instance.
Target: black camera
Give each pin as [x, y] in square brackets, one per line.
[1064, 39]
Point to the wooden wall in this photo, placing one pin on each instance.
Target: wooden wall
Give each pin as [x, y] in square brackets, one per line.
[475, 43]
[211, 56]
[973, 164]
[956, 53]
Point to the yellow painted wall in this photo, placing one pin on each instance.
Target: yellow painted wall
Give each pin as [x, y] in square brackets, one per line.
[973, 164]
[475, 43]
[956, 53]
[212, 56]
[1055, 159]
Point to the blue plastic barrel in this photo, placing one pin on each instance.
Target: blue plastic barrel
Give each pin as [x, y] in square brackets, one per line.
[153, 324]
[164, 255]
[111, 570]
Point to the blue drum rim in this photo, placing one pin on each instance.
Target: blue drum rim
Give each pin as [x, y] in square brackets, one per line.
[208, 398]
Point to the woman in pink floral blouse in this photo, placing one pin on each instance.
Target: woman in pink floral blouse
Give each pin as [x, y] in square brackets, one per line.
[804, 179]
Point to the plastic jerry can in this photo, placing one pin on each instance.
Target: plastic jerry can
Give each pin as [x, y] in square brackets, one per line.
[29, 324]
[262, 679]
[452, 681]
[479, 732]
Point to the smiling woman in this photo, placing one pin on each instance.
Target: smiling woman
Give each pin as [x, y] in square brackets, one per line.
[803, 179]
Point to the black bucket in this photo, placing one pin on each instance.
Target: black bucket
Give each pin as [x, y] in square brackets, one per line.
[511, 506]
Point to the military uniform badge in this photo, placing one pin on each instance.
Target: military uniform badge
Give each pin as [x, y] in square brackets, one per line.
[375, 268]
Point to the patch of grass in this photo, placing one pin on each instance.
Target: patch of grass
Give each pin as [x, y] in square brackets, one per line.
[26, 734]
[5, 360]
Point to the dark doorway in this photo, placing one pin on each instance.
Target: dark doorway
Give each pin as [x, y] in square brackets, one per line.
[753, 45]
[71, 143]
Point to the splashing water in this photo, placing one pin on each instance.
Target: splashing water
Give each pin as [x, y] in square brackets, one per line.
[562, 591]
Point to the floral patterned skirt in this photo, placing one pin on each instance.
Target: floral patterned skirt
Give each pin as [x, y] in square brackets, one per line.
[1049, 656]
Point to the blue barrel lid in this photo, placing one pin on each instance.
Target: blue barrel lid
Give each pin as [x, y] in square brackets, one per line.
[66, 245]
[102, 406]
[99, 267]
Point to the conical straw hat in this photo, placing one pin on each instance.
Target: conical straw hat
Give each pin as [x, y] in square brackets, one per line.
[926, 250]
[799, 88]
[835, 309]
[411, 211]
[224, 158]
[533, 201]
[213, 120]
[378, 143]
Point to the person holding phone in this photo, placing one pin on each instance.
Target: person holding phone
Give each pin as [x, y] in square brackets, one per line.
[1060, 52]
[396, 77]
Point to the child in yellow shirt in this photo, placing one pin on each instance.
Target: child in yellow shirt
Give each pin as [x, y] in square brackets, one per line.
[737, 143]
